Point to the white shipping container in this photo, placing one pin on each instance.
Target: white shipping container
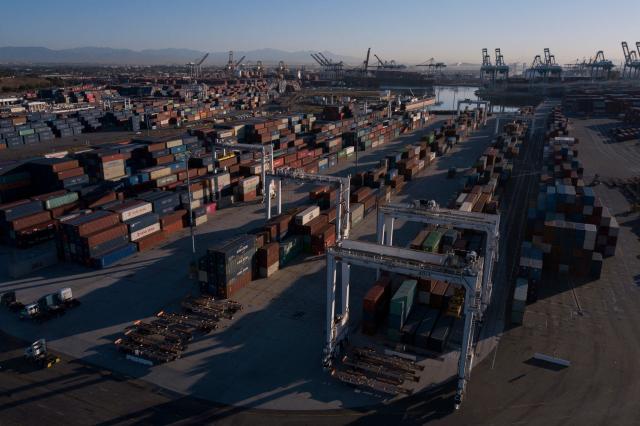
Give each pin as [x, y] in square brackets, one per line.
[531, 263]
[113, 163]
[466, 206]
[520, 292]
[174, 143]
[307, 215]
[135, 211]
[113, 173]
[357, 211]
[158, 172]
[197, 194]
[151, 229]
[195, 203]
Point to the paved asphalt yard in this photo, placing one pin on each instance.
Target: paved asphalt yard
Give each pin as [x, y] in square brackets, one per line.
[267, 357]
[506, 387]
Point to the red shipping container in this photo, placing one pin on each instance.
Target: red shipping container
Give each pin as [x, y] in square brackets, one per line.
[150, 241]
[173, 227]
[31, 220]
[104, 235]
[171, 218]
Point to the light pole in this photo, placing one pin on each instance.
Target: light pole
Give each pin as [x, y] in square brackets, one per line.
[186, 155]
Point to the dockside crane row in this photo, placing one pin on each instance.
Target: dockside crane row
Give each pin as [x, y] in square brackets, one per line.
[631, 68]
[432, 65]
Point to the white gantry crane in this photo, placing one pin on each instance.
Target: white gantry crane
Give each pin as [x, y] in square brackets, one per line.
[266, 159]
[473, 273]
[342, 184]
[195, 67]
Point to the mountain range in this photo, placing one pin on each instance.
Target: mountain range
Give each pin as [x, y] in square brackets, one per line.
[112, 56]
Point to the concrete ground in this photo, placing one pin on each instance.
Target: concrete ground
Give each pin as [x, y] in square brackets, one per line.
[269, 355]
[593, 324]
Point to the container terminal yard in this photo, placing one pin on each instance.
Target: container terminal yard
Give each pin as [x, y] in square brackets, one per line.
[253, 243]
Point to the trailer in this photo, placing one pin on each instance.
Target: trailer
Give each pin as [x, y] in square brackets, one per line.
[37, 354]
[9, 300]
[50, 306]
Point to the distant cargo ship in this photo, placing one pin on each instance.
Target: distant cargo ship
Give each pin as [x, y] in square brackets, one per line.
[388, 78]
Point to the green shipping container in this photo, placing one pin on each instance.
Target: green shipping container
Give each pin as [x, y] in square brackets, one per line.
[26, 132]
[289, 249]
[432, 242]
[402, 300]
[62, 200]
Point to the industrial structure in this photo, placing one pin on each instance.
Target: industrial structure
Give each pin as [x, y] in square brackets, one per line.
[330, 69]
[233, 65]
[195, 69]
[343, 190]
[491, 72]
[433, 66]
[544, 69]
[473, 274]
[596, 68]
[631, 68]
[599, 67]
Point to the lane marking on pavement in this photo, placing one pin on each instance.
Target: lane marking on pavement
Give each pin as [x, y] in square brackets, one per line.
[495, 353]
[575, 297]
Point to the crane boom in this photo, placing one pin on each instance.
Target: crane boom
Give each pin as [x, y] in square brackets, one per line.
[317, 59]
[326, 61]
[366, 61]
[203, 59]
[240, 60]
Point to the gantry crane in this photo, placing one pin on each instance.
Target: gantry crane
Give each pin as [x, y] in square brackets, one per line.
[547, 68]
[502, 69]
[267, 157]
[365, 64]
[487, 69]
[342, 184]
[409, 262]
[432, 65]
[231, 64]
[195, 67]
[388, 64]
[473, 273]
[477, 296]
[331, 69]
[599, 66]
[631, 67]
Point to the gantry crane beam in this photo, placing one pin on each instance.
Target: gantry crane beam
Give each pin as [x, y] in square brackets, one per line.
[488, 224]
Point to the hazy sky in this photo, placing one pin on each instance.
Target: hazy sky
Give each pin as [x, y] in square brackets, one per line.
[405, 30]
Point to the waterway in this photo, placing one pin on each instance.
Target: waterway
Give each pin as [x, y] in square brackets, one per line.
[447, 97]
